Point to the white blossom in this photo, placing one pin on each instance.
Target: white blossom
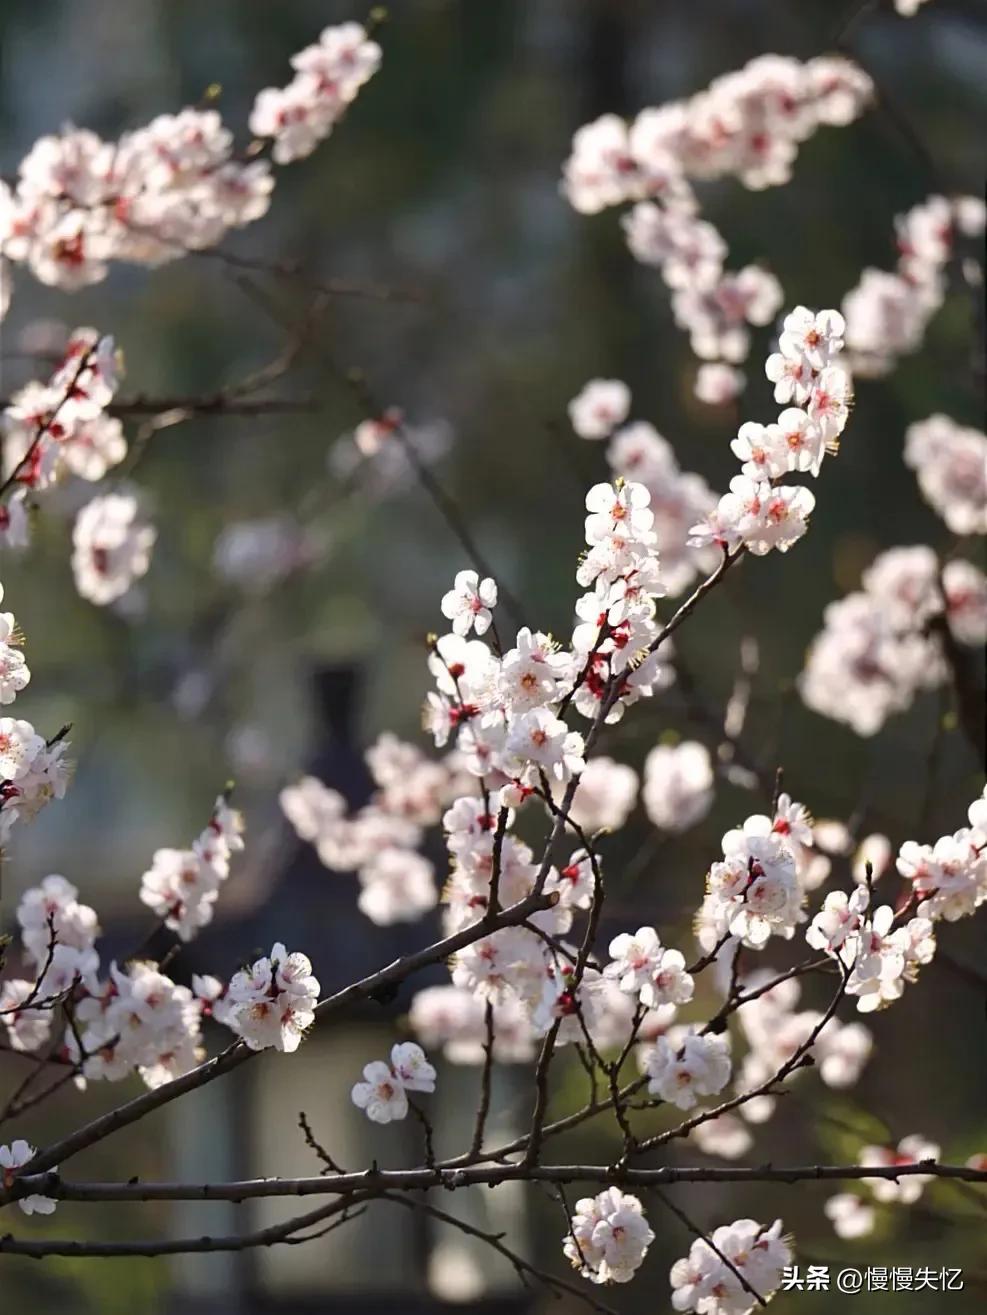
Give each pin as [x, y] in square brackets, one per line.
[608, 1237]
[20, 745]
[678, 785]
[850, 1215]
[111, 547]
[12, 1158]
[641, 966]
[410, 1065]
[273, 1001]
[397, 885]
[718, 384]
[383, 1093]
[682, 1068]
[704, 1283]
[468, 604]
[602, 405]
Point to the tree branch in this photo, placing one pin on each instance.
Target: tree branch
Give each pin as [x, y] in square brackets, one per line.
[480, 1175]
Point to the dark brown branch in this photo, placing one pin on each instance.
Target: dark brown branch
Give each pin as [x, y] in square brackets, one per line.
[373, 1181]
[138, 1108]
[264, 1237]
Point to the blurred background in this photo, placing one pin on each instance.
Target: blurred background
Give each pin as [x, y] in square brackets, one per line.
[443, 183]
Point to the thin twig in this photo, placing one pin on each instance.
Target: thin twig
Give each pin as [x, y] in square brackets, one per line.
[483, 1108]
[312, 1142]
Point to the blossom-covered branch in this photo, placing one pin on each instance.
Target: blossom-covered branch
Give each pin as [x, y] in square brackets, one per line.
[669, 1041]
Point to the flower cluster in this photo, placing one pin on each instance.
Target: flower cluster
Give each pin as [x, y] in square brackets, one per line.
[513, 963]
[182, 885]
[14, 671]
[950, 464]
[678, 499]
[33, 771]
[643, 968]
[138, 1019]
[683, 1065]
[383, 1094]
[878, 647]
[705, 1283]
[272, 1003]
[500, 706]
[755, 891]
[58, 935]
[616, 632]
[949, 878]
[747, 124]
[887, 313]
[53, 911]
[80, 202]
[379, 841]
[715, 306]
[759, 513]
[111, 547]
[56, 930]
[328, 75]
[608, 1237]
[527, 975]
[175, 186]
[62, 428]
[880, 951]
